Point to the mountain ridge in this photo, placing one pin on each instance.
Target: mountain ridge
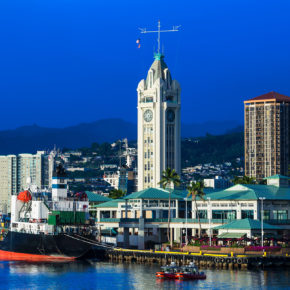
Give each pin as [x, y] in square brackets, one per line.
[30, 138]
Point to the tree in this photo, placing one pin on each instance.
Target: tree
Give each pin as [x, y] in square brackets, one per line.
[169, 177]
[195, 189]
[244, 180]
[116, 193]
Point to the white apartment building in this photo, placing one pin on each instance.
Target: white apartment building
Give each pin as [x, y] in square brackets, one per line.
[17, 172]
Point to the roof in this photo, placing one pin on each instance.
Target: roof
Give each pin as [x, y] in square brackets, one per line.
[231, 235]
[160, 193]
[94, 197]
[246, 224]
[155, 193]
[270, 96]
[251, 192]
[277, 176]
[111, 203]
[159, 66]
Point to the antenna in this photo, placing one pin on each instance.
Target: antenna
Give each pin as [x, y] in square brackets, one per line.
[158, 31]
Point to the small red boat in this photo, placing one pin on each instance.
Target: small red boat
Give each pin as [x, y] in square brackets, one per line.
[168, 272]
[189, 272]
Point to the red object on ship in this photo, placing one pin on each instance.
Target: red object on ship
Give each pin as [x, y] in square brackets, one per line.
[24, 196]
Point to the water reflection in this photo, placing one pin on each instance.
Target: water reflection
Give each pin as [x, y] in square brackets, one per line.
[97, 275]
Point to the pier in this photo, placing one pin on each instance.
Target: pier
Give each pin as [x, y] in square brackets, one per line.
[202, 260]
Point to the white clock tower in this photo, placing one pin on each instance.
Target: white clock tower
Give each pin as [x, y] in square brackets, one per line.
[158, 124]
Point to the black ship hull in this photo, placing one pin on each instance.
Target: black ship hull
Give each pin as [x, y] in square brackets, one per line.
[26, 246]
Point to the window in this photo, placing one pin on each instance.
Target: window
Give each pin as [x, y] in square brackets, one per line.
[266, 214]
[224, 214]
[247, 214]
[202, 214]
[280, 214]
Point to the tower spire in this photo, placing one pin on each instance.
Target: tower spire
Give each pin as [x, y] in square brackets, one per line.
[158, 31]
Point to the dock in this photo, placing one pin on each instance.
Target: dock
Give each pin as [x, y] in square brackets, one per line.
[202, 260]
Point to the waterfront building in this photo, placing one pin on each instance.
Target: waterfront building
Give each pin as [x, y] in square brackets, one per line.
[95, 199]
[267, 135]
[246, 227]
[141, 217]
[18, 172]
[158, 124]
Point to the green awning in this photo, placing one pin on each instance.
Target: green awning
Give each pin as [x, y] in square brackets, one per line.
[231, 235]
[108, 232]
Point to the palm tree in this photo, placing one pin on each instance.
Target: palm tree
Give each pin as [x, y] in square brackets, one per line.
[244, 180]
[195, 189]
[169, 177]
[116, 193]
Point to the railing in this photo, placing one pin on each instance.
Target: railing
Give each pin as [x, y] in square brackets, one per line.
[277, 222]
[118, 220]
[164, 220]
[110, 220]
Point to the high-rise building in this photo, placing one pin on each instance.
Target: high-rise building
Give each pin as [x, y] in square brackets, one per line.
[8, 180]
[18, 172]
[158, 124]
[267, 135]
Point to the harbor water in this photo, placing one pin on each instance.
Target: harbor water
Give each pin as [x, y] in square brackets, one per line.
[105, 275]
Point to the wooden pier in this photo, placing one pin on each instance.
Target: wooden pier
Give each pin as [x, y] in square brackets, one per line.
[202, 260]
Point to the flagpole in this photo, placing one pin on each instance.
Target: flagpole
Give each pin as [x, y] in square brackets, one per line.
[158, 31]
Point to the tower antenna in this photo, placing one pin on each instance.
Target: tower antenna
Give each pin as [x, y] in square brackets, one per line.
[158, 31]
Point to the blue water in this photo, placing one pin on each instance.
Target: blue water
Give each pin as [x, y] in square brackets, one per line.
[99, 275]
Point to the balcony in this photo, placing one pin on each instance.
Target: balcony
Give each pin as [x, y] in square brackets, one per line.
[165, 220]
[277, 222]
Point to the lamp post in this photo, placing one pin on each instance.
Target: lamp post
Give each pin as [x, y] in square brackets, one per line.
[262, 220]
[209, 221]
[186, 236]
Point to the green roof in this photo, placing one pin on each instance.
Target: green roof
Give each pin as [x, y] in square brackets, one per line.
[110, 203]
[277, 176]
[231, 235]
[160, 193]
[246, 224]
[236, 192]
[251, 192]
[94, 197]
[156, 193]
[109, 232]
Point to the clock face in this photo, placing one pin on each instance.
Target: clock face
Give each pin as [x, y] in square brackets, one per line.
[170, 115]
[148, 115]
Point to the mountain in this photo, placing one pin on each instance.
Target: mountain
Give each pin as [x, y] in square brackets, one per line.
[212, 149]
[29, 139]
[211, 127]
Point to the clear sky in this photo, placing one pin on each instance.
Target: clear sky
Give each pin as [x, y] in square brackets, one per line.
[63, 62]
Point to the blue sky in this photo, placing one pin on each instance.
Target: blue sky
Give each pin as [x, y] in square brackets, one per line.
[63, 62]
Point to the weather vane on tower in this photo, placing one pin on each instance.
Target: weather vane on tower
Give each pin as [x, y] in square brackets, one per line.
[158, 31]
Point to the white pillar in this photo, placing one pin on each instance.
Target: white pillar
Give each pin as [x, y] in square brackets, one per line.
[141, 237]
[141, 208]
[176, 209]
[239, 212]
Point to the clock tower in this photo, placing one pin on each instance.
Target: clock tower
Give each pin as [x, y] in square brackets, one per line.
[158, 124]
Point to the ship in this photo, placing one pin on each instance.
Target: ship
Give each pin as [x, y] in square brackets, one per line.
[49, 225]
